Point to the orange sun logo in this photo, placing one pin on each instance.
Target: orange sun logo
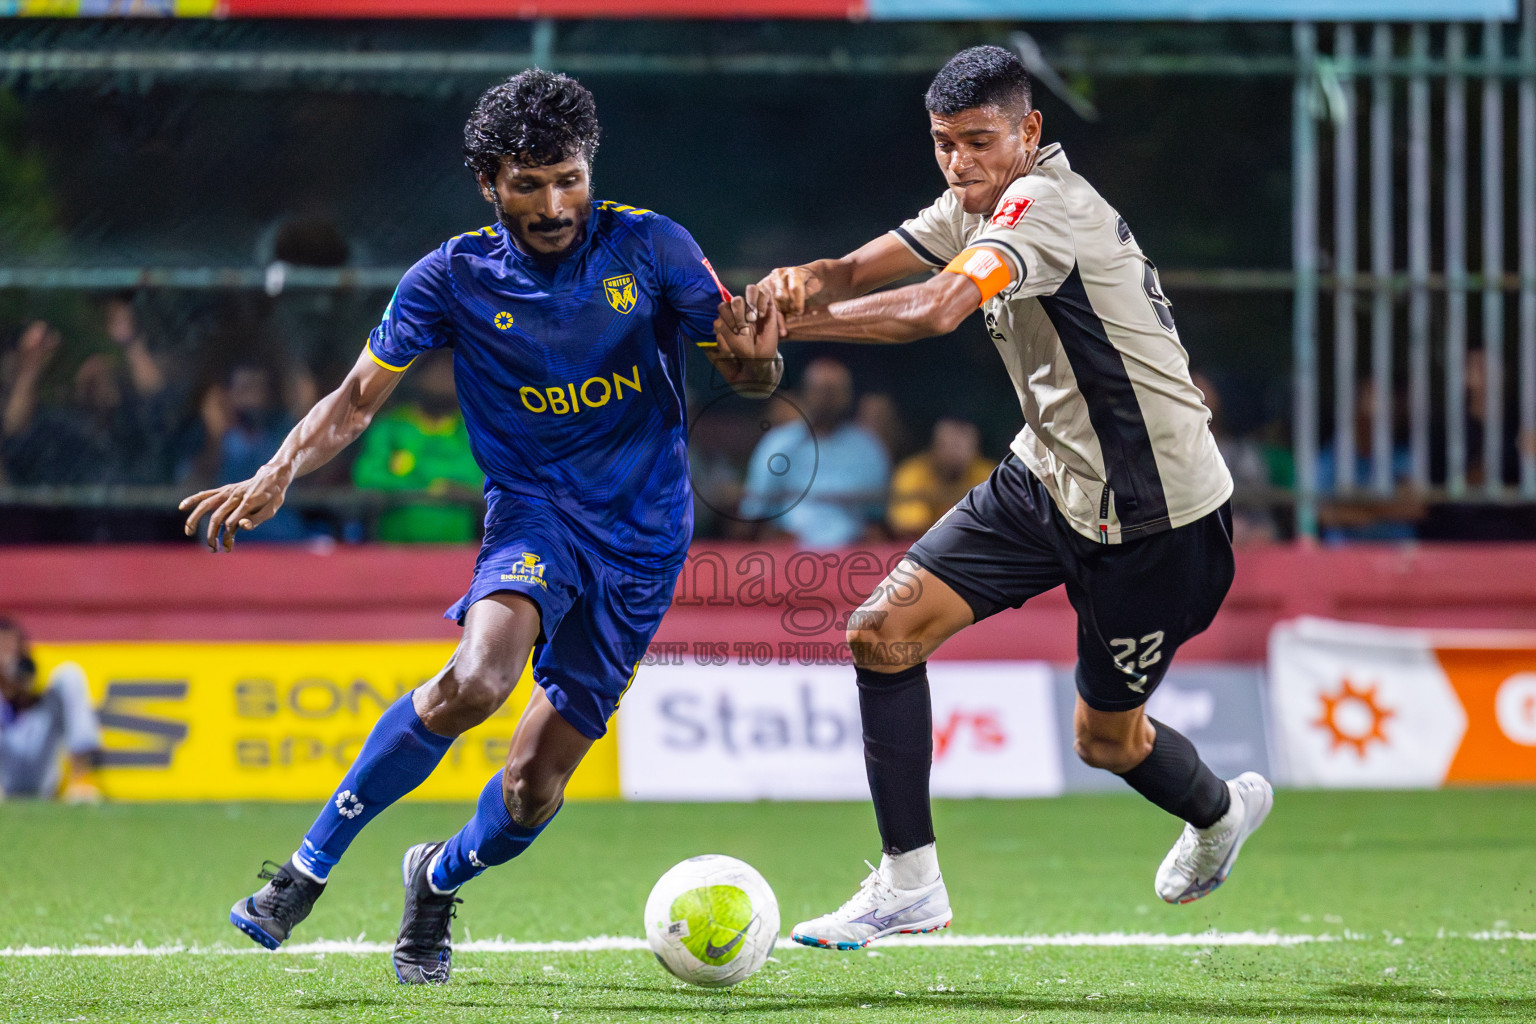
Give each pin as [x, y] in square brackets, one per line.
[1346, 714]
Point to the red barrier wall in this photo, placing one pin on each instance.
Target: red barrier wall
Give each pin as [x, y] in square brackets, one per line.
[353, 593]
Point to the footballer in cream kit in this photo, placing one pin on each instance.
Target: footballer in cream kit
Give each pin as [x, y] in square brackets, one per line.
[1114, 487]
[1121, 440]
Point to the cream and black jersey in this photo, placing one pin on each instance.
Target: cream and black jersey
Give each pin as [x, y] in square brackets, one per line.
[1113, 425]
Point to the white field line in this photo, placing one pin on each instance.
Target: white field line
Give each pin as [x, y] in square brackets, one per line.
[625, 943]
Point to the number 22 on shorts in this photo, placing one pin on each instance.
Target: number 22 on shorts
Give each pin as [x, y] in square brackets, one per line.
[1128, 661]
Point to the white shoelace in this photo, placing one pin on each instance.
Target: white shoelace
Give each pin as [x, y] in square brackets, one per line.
[1194, 844]
[872, 891]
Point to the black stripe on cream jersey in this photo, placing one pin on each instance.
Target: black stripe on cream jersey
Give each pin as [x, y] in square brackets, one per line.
[1113, 409]
[918, 248]
[1018, 261]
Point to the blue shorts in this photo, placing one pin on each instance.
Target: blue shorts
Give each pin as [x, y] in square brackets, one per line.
[596, 618]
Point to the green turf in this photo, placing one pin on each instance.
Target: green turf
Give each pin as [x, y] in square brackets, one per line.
[1402, 875]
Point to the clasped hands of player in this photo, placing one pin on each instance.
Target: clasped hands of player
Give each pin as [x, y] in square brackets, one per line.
[747, 333]
[750, 326]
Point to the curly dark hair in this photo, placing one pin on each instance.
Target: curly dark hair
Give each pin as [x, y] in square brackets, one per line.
[979, 77]
[536, 116]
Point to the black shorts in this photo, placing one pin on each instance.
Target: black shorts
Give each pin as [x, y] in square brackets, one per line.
[1136, 601]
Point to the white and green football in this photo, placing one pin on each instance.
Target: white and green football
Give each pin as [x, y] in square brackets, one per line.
[712, 920]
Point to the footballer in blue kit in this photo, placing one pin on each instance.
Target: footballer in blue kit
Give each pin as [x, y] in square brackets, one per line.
[569, 322]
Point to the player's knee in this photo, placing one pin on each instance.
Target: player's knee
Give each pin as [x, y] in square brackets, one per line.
[1112, 753]
[531, 798]
[478, 688]
[880, 642]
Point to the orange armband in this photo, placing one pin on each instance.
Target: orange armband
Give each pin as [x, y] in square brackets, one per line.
[983, 266]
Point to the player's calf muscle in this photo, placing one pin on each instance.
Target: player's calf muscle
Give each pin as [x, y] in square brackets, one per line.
[1114, 741]
[1115, 755]
[532, 797]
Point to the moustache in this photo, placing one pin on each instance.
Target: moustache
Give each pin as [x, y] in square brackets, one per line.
[550, 226]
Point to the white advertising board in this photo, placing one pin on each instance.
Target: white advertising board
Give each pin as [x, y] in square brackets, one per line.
[1362, 706]
[787, 732]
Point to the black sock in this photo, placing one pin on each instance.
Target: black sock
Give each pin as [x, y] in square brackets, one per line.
[1174, 778]
[898, 753]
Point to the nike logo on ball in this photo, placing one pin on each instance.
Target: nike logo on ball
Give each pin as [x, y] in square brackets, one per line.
[712, 951]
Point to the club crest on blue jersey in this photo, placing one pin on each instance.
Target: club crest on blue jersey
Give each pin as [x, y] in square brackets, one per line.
[530, 569]
[621, 292]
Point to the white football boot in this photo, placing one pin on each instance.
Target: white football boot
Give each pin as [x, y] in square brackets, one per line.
[1203, 857]
[878, 909]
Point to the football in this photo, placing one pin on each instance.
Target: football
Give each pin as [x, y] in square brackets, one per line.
[712, 920]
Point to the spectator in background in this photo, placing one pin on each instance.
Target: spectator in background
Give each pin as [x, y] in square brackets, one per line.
[929, 483]
[1476, 376]
[243, 423]
[1475, 515]
[1253, 521]
[877, 413]
[40, 727]
[821, 480]
[114, 430]
[1353, 514]
[424, 446]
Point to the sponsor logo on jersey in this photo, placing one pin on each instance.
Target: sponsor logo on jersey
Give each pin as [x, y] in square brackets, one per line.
[571, 397]
[503, 320]
[529, 570]
[1012, 211]
[621, 292]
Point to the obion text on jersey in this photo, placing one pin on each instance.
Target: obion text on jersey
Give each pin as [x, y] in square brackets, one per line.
[563, 399]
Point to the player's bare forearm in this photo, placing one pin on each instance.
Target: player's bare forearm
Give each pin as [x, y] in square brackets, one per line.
[822, 282]
[935, 307]
[334, 422]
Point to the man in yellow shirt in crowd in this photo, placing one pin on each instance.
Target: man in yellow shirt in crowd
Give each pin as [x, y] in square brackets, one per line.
[929, 483]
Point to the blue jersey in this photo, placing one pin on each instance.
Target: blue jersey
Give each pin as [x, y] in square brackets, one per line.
[570, 373]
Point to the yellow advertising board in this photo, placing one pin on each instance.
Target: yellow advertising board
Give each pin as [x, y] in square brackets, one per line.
[278, 721]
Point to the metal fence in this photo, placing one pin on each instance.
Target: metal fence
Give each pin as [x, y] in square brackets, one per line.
[1381, 120]
[1414, 294]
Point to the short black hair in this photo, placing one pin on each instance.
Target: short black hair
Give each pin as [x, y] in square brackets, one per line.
[978, 77]
[536, 116]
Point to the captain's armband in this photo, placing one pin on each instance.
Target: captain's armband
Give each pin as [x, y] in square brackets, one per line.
[985, 266]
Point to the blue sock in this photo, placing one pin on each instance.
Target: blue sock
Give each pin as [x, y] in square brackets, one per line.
[490, 838]
[397, 756]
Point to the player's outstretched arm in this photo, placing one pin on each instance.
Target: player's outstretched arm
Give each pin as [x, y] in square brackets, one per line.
[746, 351]
[334, 422]
[937, 306]
[874, 264]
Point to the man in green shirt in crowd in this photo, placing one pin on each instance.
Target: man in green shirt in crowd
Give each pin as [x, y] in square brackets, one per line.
[423, 446]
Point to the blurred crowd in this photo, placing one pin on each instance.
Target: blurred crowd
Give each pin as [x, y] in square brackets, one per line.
[95, 428]
[824, 462]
